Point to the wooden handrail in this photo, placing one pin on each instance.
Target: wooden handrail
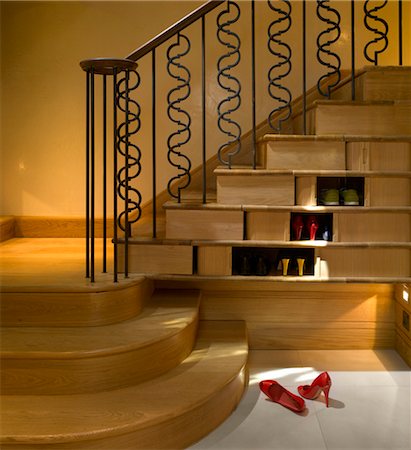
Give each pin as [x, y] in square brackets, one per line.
[171, 31]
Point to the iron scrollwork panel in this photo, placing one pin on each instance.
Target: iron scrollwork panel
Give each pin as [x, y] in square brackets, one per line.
[128, 151]
[277, 72]
[179, 116]
[382, 33]
[325, 39]
[228, 82]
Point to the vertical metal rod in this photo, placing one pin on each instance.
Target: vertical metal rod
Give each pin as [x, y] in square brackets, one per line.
[400, 32]
[203, 100]
[154, 127]
[115, 256]
[254, 137]
[92, 200]
[126, 224]
[88, 174]
[352, 50]
[104, 173]
[304, 70]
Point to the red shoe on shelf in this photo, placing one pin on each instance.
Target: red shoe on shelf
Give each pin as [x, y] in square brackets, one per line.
[312, 391]
[277, 393]
[312, 225]
[297, 225]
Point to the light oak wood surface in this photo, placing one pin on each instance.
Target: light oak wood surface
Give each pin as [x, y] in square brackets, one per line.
[268, 225]
[7, 227]
[71, 360]
[214, 261]
[387, 83]
[161, 413]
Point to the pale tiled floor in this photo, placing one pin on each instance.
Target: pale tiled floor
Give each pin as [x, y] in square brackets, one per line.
[370, 404]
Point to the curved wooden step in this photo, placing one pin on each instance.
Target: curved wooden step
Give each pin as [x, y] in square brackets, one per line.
[171, 411]
[88, 359]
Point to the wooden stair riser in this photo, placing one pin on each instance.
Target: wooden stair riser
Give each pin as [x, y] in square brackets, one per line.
[255, 189]
[204, 224]
[157, 258]
[361, 119]
[302, 154]
[347, 227]
[77, 376]
[388, 84]
[403, 324]
[72, 309]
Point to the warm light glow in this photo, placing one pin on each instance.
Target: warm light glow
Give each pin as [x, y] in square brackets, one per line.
[405, 293]
[300, 374]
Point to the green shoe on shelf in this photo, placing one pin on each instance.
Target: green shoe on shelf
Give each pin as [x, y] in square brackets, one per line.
[330, 197]
[350, 197]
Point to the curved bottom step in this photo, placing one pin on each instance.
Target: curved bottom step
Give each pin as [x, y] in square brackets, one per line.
[170, 411]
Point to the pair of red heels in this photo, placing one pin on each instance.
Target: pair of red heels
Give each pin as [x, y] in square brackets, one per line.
[277, 393]
[298, 225]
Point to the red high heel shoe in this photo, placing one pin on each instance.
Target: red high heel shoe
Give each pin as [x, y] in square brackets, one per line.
[312, 224]
[312, 391]
[277, 393]
[297, 225]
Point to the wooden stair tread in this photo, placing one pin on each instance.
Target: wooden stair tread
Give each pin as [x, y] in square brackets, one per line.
[297, 244]
[333, 138]
[167, 313]
[219, 356]
[322, 208]
[339, 173]
[198, 204]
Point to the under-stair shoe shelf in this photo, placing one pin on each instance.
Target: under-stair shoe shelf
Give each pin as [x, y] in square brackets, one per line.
[164, 412]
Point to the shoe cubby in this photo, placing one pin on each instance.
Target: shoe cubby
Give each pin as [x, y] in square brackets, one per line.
[263, 261]
[309, 226]
[330, 191]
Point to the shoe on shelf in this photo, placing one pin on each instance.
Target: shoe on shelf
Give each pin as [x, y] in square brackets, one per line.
[350, 197]
[261, 267]
[297, 225]
[321, 384]
[312, 225]
[330, 197]
[278, 394]
[245, 266]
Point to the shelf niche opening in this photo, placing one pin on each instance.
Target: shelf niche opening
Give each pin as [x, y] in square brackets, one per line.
[340, 183]
[267, 261]
[323, 230]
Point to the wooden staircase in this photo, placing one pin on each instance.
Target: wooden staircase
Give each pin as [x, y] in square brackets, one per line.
[121, 366]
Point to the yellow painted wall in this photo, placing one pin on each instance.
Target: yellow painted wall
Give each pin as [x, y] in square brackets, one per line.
[42, 88]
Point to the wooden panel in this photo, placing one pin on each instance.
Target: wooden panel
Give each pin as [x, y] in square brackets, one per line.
[310, 316]
[376, 156]
[402, 296]
[256, 189]
[403, 346]
[389, 84]
[403, 320]
[201, 224]
[316, 155]
[389, 191]
[276, 335]
[7, 228]
[74, 309]
[373, 227]
[359, 119]
[214, 260]
[173, 259]
[364, 262]
[306, 191]
[268, 226]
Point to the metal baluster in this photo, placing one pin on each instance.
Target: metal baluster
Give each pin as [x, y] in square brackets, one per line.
[115, 146]
[179, 116]
[323, 48]
[352, 50]
[253, 110]
[203, 102]
[104, 173]
[88, 174]
[304, 51]
[282, 51]
[92, 181]
[231, 41]
[381, 35]
[153, 71]
[127, 167]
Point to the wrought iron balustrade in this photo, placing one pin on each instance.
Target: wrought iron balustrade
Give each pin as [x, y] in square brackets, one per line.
[259, 56]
